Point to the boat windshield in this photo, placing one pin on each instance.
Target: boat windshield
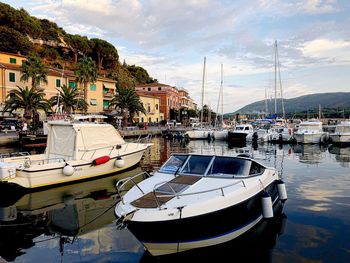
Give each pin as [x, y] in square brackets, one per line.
[229, 166]
[196, 164]
[173, 164]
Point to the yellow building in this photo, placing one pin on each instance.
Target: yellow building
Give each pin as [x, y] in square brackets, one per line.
[151, 104]
[99, 93]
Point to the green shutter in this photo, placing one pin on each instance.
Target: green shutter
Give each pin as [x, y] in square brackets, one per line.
[92, 87]
[58, 83]
[12, 77]
[105, 103]
[72, 84]
[13, 61]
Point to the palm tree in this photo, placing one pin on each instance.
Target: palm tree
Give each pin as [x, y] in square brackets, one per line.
[69, 99]
[128, 102]
[86, 72]
[29, 99]
[33, 69]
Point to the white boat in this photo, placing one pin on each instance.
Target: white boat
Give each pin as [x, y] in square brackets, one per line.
[280, 134]
[310, 132]
[199, 134]
[240, 133]
[259, 135]
[75, 151]
[199, 200]
[341, 134]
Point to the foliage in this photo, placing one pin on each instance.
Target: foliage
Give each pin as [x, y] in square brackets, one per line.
[79, 44]
[86, 72]
[69, 99]
[103, 50]
[50, 30]
[13, 42]
[140, 74]
[127, 102]
[28, 99]
[33, 69]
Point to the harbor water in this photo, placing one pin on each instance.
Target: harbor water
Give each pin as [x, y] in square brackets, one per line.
[76, 223]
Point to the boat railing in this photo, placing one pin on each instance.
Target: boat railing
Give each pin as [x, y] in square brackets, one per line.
[178, 195]
[111, 147]
[123, 182]
[27, 162]
[14, 154]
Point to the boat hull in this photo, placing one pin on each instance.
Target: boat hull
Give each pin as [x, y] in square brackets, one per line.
[340, 138]
[172, 236]
[198, 134]
[310, 137]
[49, 175]
[236, 136]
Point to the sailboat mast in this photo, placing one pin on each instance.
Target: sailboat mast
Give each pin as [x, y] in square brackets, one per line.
[280, 82]
[222, 94]
[266, 107]
[202, 102]
[275, 76]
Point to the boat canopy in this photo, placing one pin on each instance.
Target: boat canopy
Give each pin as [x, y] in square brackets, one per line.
[210, 165]
[69, 140]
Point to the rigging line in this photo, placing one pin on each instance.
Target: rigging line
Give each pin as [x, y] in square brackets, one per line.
[280, 82]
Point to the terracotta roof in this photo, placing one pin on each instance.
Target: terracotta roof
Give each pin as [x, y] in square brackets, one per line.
[154, 85]
[12, 54]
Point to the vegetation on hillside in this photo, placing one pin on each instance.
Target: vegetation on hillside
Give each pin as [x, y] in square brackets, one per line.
[22, 33]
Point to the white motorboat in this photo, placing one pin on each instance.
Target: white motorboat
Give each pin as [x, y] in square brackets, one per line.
[341, 134]
[240, 133]
[310, 132]
[198, 200]
[259, 135]
[280, 134]
[199, 134]
[75, 151]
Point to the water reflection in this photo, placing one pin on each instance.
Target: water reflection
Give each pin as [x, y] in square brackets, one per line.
[59, 217]
[342, 154]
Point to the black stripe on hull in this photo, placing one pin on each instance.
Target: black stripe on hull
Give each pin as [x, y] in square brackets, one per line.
[204, 226]
[236, 137]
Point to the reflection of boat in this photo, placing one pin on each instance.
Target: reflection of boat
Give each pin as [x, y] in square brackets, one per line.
[75, 151]
[341, 134]
[309, 153]
[256, 245]
[310, 132]
[280, 133]
[342, 154]
[62, 212]
[167, 211]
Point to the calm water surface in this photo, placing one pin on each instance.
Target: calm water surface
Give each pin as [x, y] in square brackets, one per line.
[76, 223]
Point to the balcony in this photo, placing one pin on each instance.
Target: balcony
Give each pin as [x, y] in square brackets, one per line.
[108, 94]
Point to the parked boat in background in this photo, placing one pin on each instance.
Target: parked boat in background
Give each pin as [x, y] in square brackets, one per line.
[341, 134]
[310, 132]
[167, 211]
[75, 151]
[281, 134]
[240, 133]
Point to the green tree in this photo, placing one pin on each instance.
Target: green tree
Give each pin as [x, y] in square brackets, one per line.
[12, 41]
[103, 50]
[33, 69]
[140, 74]
[28, 99]
[79, 45]
[86, 72]
[127, 102]
[69, 98]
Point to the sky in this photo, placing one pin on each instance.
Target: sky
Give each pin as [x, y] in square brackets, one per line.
[170, 38]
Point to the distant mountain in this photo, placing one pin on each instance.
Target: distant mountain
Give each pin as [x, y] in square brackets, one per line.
[311, 102]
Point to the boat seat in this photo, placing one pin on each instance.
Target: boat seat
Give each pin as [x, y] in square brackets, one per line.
[175, 186]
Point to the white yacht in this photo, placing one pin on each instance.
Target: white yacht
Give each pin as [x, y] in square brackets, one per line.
[310, 132]
[75, 151]
[341, 134]
[240, 133]
[280, 134]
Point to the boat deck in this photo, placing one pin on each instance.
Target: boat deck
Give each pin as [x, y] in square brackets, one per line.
[176, 185]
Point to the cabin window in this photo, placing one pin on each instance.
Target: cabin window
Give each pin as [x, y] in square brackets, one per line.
[256, 168]
[92, 87]
[93, 102]
[58, 83]
[246, 128]
[173, 164]
[13, 61]
[229, 166]
[196, 165]
[12, 77]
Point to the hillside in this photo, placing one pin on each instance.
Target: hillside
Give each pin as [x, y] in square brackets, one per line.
[22, 33]
[334, 100]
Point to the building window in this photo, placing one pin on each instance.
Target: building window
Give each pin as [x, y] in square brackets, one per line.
[105, 104]
[159, 88]
[156, 106]
[148, 108]
[157, 119]
[142, 119]
[93, 102]
[13, 61]
[149, 119]
[12, 77]
[72, 84]
[58, 83]
[92, 87]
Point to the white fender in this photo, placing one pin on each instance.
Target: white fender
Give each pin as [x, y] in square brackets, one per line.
[119, 162]
[282, 192]
[266, 202]
[68, 170]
